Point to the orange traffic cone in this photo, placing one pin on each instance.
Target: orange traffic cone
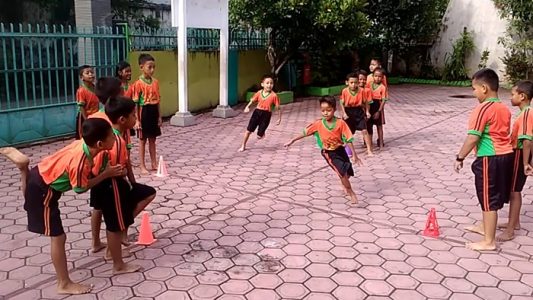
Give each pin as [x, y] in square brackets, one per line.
[161, 168]
[145, 235]
[432, 227]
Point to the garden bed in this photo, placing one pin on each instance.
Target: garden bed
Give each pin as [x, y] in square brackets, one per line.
[324, 91]
[462, 83]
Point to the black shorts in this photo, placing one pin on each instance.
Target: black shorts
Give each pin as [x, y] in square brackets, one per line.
[41, 204]
[374, 108]
[149, 119]
[79, 126]
[519, 177]
[339, 161]
[492, 175]
[117, 200]
[260, 118]
[356, 118]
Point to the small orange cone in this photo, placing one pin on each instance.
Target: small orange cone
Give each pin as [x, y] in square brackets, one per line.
[145, 235]
[432, 227]
[161, 168]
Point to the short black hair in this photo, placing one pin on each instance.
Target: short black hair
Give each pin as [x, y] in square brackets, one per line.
[265, 76]
[330, 100]
[488, 77]
[82, 68]
[94, 130]
[376, 59]
[121, 66]
[525, 87]
[119, 107]
[145, 57]
[362, 72]
[352, 75]
[379, 70]
[107, 87]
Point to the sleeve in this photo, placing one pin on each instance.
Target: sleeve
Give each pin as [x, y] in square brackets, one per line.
[255, 97]
[478, 121]
[311, 128]
[129, 92]
[99, 163]
[80, 97]
[79, 175]
[368, 96]
[347, 136]
[135, 93]
[526, 126]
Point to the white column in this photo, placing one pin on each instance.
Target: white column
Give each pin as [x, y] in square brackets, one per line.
[183, 117]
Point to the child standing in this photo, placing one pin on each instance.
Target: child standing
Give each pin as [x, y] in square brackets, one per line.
[149, 121]
[331, 134]
[123, 73]
[521, 137]
[375, 63]
[380, 96]
[266, 100]
[43, 185]
[354, 106]
[85, 98]
[488, 132]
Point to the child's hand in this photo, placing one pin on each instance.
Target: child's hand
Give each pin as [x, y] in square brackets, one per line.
[246, 109]
[137, 125]
[114, 171]
[278, 122]
[457, 166]
[344, 116]
[376, 115]
[160, 122]
[287, 145]
[368, 115]
[528, 170]
[356, 161]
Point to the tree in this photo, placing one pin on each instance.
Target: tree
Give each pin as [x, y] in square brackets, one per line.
[293, 24]
[131, 12]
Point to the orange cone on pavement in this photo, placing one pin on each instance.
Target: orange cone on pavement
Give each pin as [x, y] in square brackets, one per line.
[432, 226]
[161, 168]
[146, 236]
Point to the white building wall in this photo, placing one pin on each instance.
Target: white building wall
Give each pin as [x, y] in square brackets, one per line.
[482, 18]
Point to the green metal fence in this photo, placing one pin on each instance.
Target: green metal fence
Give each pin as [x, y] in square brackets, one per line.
[39, 75]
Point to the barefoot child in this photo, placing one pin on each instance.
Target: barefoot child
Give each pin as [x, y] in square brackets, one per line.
[380, 96]
[85, 97]
[331, 134]
[488, 132]
[354, 106]
[119, 201]
[146, 95]
[266, 99]
[43, 185]
[521, 137]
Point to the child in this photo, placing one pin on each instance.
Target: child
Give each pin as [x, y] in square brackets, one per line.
[117, 199]
[146, 95]
[488, 132]
[123, 73]
[521, 137]
[266, 99]
[380, 95]
[331, 134]
[43, 185]
[375, 63]
[85, 98]
[354, 106]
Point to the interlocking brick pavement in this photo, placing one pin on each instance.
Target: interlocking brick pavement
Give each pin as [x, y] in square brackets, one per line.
[272, 223]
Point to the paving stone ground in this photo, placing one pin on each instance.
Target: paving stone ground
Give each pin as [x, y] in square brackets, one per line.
[272, 223]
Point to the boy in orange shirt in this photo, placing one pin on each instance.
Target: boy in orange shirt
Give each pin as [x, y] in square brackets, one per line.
[355, 103]
[521, 137]
[375, 63]
[331, 135]
[146, 95]
[266, 100]
[489, 133]
[85, 98]
[43, 185]
[380, 96]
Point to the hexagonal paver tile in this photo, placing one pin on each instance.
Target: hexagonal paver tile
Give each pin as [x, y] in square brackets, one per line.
[149, 288]
[433, 290]
[266, 281]
[260, 294]
[212, 277]
[320, 270]
[407, 294]
[160, 273]
[372, 272]
[205, 292]
[491, 293]
[181, 283]
[294, 275]
[427, 276]
[239, 287]
[173, 295]
[322, 285]
[376, 288]
[348, 293]
[292, 290]
[516, 288]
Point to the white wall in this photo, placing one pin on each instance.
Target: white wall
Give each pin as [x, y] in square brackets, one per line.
[481, 17]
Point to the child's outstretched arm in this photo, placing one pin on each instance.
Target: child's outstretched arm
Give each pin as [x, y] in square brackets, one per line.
[287, 145]
[279, 114]
[247, 108]
[468, 145]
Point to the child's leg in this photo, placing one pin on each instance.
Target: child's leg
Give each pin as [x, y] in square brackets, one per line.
[381, 143]
[59, 260]
[151, 149]
[348, 187]
[245, 140]
[114, 240]
[142, 205]
[514, 217]
[490, 218]
[142, 152]
[368, 142]
[21, 161]
[96, 223]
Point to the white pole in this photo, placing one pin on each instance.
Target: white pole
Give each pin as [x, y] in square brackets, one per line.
[224, 33]
[182, 58]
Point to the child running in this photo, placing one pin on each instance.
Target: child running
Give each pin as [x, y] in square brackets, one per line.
[266, 100]
[331, 135]
[354, 106]
[146, 95]
[521, 137]
[489, 132]
[85, 98]
[42, 186]
[380, 96]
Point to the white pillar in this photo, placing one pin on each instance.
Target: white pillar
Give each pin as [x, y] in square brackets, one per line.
[183, 117]
[223, 110]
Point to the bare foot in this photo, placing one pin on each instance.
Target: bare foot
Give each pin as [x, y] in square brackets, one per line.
[476, 229]
[126, 268]
[125, 242]
[260, 137]
[99, 247]
[505, 236]
[20, 160]
[72, 288]
[504, 225]
[144, 170]
[154, 167]
[242, 148]
[370, 153]
[480, 246]
[125, 253]
[354, 198]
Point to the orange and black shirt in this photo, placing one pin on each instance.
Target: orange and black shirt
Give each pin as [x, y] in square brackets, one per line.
[86, 98]
[146, 91]
[329, 136]
[522, 128]
[379, 92]
[267, 101]
[370, 80]
[357, 98]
